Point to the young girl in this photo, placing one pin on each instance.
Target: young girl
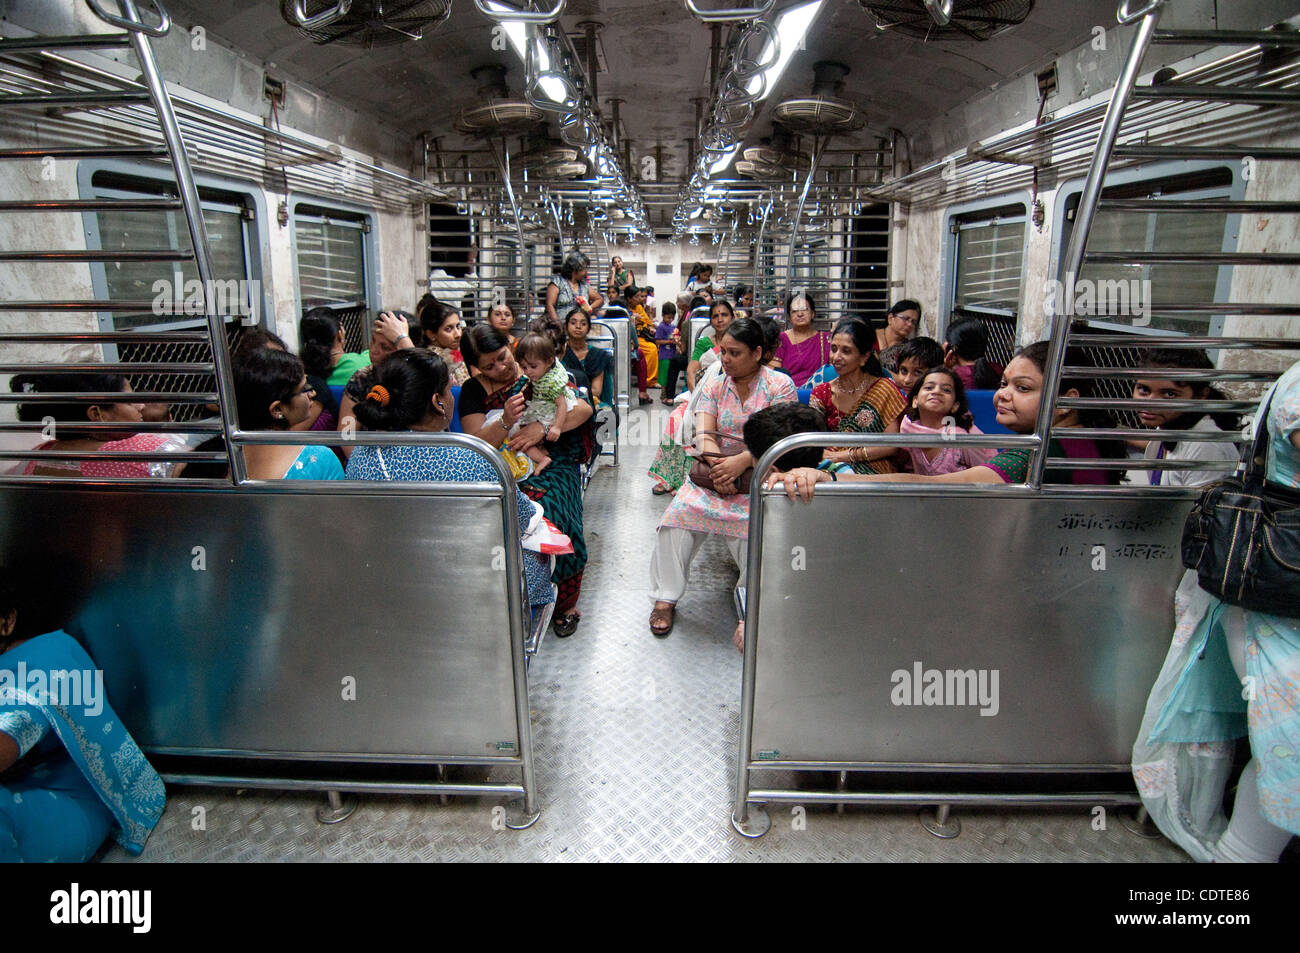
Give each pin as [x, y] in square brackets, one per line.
[547, 403]
[938, 405]
[1162, 388]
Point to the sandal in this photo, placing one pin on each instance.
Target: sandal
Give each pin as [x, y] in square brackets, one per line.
[566, 624]
[661, 489]
[662, 619]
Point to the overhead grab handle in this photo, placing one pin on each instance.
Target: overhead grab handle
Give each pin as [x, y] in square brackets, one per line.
[133, 21]
[503, 13]
[940, 11]
[735, 13]
[324, 18]
[1125, 17]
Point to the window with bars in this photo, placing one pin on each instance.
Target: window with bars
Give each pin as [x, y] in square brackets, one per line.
[330, 251]
[1159, 231]
[989, 255]
[230, 220]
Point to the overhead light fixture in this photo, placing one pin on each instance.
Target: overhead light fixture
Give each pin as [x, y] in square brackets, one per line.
[791, 27]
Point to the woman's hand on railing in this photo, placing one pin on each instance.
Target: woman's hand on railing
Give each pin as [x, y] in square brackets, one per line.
[800, 480]
[393, 328]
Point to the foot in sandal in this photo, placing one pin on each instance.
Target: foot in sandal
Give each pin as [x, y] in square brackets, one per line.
[661, 619]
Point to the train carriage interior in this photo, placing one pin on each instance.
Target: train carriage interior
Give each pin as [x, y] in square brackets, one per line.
[419, 644]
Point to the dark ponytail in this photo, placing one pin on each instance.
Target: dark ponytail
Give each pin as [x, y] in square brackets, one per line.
[317, 332]
[402, 391]
[62, 383]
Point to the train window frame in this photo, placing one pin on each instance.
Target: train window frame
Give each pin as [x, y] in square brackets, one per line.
[343, 213]
[129, 180]
[1005, 208]
[1068, 195]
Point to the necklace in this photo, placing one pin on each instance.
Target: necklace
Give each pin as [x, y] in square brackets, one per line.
[851, 391]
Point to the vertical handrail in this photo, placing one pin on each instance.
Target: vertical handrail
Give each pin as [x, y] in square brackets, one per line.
[819, 147]
[503, 167]
[198, 237]
[758, 248]
[1073, 258]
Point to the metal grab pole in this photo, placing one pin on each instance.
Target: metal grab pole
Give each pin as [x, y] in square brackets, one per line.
[819, 147]
[1073, 259]
[198, 237]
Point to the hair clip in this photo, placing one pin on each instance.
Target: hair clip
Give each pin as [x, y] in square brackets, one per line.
[379, 393]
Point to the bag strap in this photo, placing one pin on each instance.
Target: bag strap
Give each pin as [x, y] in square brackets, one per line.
[1258, 462]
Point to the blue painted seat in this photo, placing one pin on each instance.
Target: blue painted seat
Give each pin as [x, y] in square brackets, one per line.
[981, 408]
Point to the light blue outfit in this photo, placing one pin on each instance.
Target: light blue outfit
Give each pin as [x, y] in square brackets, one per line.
[1196, 710]
[451, 465]
[81, 776]
[315, 463]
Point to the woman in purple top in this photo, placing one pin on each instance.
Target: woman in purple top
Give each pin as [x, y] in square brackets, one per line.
[803, 349]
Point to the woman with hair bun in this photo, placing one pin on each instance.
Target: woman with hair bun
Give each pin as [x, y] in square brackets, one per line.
[412, 391]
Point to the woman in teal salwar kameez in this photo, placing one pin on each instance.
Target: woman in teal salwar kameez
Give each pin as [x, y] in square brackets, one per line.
[70, 774]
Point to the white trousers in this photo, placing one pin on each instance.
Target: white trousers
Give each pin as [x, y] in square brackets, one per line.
[674, 551]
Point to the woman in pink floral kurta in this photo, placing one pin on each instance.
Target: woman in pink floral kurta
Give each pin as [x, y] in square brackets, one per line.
[725, 404]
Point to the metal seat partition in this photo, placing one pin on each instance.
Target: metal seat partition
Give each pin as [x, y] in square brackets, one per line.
[201, 599]
[1015, 631]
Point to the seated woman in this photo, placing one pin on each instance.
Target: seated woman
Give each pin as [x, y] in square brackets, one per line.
[558, 488]
[1162, 388]
[68, 438]
[70, 774]
[645, 340]
[440, 331]
[901, 322]
[861, 398]
[391, 334]
[412, 391]
[596, 363]
[1184, 753]
[1017, 402]
[706, 348]
[324, 414]
[321, 340]
[803, 348]
[725, 405]
[963, 350]
[272, 393]
[501, 316]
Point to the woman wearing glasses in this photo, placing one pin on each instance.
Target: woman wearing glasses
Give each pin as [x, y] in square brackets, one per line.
[803, 349]
[901, 323]
[272, 393]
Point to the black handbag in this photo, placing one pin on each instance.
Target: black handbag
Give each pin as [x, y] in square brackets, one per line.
[1243, 538]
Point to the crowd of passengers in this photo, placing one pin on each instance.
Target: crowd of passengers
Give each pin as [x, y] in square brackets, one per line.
[537, 395]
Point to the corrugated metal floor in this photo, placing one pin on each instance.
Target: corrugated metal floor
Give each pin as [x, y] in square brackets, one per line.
[636, 742]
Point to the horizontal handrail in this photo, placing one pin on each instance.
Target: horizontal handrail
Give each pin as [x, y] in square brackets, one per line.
[13, 44]
[1138, 463]
[143, 367]
[1138, 257]
[115, 426]
[58, 254]
[92, 205]
[1131, 433]
[107, 397]
[1180, 341]
[158, 456]
[1204, 152]
[1167, 373]
[87, 152]
[1110, 403]
[1226, 37]
[91, 337]
[1195, 205]
[81, 100]
[1226, 94]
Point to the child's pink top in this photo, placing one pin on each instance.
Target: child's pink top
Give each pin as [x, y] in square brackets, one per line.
[949, 459]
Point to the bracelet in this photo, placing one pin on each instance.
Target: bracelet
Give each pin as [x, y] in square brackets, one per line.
[400, 336]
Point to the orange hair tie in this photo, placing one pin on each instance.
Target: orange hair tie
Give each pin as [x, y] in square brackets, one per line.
[379, 393]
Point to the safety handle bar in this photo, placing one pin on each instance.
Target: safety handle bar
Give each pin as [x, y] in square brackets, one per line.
[521, 16]
[940, 11]
[324, 18]
[133, 21]
[737, 13]
[1125, 17]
